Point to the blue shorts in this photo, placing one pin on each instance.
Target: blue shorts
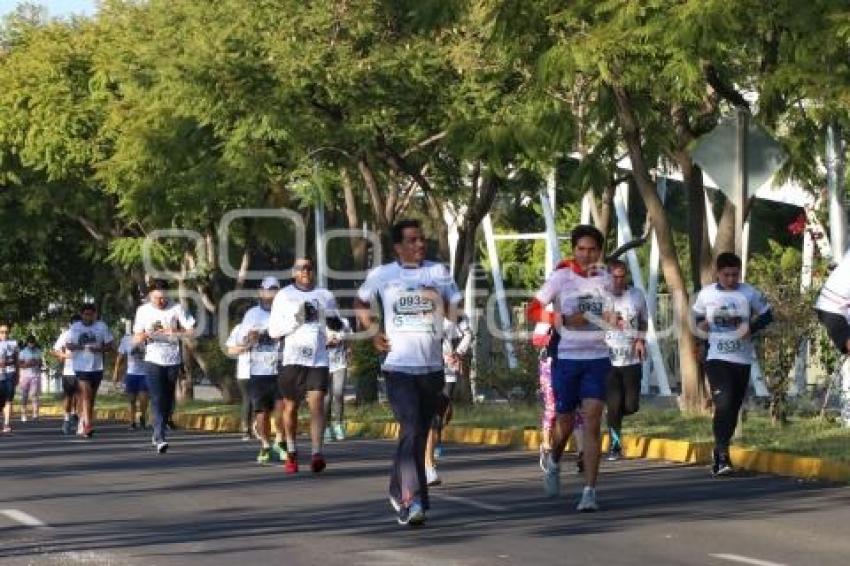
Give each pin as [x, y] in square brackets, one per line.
[135, 384]
[576, 380]
[8, 386]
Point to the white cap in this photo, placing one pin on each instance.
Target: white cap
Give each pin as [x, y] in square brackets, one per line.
[270, 282]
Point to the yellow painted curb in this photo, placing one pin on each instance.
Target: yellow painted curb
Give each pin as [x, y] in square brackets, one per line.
[633, 446]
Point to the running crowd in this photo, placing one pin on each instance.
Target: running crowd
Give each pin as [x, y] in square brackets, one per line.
[292, 346]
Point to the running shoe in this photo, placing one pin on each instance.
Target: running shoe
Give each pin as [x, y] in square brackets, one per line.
[23, 418]
[88, 431]
[339, 431]
[722, 465]
[588, 501]
[75, 422]
[412, 516]
[265, 456]
[133, 427]
[291, 465]
[431, 476]
[396, 504]
[279, 451]
[66, 428]
[552, 478]
[162, 447]
[7, 429]
[317, 464]
[615, 453]
[246, 436]
[580, 463]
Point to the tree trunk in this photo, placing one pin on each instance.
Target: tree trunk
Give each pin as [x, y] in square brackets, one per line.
[692, 178]
[693, 392]
[725, 241]
[606, 208]
[483, 195]
[435, 212]
[358, 244]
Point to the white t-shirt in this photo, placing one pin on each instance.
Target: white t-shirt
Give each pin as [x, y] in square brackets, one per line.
[834, 296]
[338, 355]
[135, 355]
[8, 349]
[96, 334]
[572, 293]
[630, 308]
[728, 312]
[59, 346]
[27, 355]
[243, 360]
[162, 349]
[306, 342]
[414, 302]
[263, 358]
[457, 339]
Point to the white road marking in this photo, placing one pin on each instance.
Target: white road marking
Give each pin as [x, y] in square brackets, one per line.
[468, 501]
[745, 560]
[23, 518]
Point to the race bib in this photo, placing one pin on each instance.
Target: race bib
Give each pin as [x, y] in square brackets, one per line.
[413, 311]
[730, 346]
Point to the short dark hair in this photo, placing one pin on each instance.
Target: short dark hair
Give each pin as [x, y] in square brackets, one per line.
[616, 263]
[158, 285]
[76, 318]
[584, 231]
[397, 231]
[728, 259]
[88, 307]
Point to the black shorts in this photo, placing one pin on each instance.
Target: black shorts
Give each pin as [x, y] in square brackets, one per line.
[70, 385]
[92, 377]
[295, 381]
[264, 393]
[836, 327]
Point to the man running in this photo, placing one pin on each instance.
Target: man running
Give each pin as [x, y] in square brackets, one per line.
[300, 313]
[833, 305]
[70, 384]
[338, 352]
[625, 338]
[29, 364]
[8, 374]
[160, 326]
[728, 313]
[131, 356]
[415, 296]
[252, 342]
[88, 339]
[457, 341]
[243, 377]
[580, 294]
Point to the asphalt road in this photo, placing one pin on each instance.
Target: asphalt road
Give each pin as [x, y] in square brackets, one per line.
[112, 500]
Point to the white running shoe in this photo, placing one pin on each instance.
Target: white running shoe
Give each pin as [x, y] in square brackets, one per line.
[552, 478]
[161, 447]
[431, 476]
[588, 501]
[23, 418]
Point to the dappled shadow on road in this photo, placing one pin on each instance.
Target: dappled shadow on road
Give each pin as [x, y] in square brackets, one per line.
[507, 482]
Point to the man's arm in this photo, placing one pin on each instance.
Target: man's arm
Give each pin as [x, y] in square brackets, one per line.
[363, 311]
[117, 369]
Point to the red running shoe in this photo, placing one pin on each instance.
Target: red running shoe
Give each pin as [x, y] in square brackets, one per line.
[318, 463]
[291, 464]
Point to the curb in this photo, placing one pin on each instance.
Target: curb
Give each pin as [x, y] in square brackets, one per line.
[680, 451]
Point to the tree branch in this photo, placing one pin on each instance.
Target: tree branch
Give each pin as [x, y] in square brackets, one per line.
[724, 90]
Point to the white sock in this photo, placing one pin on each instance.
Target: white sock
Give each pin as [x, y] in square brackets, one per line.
[290, 445]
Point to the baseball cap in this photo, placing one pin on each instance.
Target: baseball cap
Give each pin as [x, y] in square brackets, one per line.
[270, 283]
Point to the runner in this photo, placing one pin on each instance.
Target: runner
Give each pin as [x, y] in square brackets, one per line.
[243, 376]
[338, 353]
[87, 340]
[8, 374]
[160, 325]
[627, 347]
[29, 364]
[132, 356]
[415, 294]
[70, 384]
[580, 293]
[251, 342]
[833, 305]
[299, 313]
[728, 313]
[457, 341]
